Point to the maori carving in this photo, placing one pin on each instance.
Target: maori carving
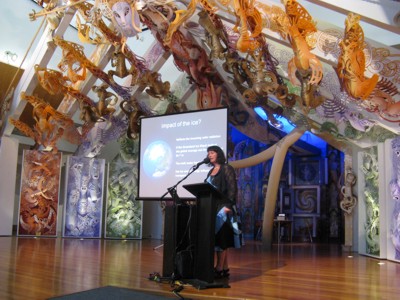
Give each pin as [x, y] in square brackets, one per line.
[215, 36]
[39, 193]
[53, 15]
[381, 100]
[91, 14]
[50, 125]
[83, 205]
[156, 88]
[262, 82]
[299, 34]
[76, 53]
[358, 122]
[192, 59]
[238, 67]
[248, 15]
[107, 100]
[351, 63]
[86, 32]
[125, 16]
[371, 175]
[26, 130]
[54, 83]
[181, 16]
[122, 53]
[349, 201]
[123, 211]
[174, 105]
[75, 70]
[118, 61]
[134, 112]
[395, 192]
[304, 69]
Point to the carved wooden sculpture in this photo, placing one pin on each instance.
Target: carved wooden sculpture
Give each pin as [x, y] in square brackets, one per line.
[351, 63]
[50, 125]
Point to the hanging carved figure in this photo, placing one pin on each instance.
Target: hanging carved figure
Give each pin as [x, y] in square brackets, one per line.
[250, 21]
[53, 16]
[118, 61]
[215, 36]
[107, 100]
[351, 62]
[132, 110]
[155, 87]
[87, 32]
[305, 68]
[174, 105]
[299, 32]
[69, 64]
[125, 16]
[50, 125]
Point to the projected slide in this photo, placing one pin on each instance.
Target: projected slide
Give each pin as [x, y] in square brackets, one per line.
[170, 145]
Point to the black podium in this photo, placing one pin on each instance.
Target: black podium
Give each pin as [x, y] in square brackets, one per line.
[191, 225]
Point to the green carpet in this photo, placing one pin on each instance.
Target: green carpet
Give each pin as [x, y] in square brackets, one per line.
[111, 292]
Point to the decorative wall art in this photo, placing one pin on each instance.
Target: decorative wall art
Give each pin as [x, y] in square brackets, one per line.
[371, 197]
[393, 204]
[38, 203]
[124, 212]
[84, 197]
[307, 199]
[307, 172]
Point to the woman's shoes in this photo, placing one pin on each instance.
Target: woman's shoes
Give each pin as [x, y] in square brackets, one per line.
[221, 274]
[225, 273]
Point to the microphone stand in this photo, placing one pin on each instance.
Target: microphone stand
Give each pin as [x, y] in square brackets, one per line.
[176, 200]
[172, 190]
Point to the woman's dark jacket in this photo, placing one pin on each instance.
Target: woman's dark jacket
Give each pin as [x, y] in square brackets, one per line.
[225, 182]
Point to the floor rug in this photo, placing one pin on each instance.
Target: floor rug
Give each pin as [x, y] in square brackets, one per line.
[110, 292]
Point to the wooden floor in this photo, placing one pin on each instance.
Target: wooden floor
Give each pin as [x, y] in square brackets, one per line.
[39, 268]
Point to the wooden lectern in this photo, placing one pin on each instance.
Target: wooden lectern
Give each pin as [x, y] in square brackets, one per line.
[199, 218]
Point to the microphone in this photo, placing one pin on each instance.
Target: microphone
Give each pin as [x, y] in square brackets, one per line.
[204, 161]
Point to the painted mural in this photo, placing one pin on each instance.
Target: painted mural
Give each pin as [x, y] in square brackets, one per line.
[371, 197]
[83, 207]
[39, 196]
[394, 231]
[124, 212]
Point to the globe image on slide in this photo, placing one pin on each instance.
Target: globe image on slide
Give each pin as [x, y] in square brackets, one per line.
[157, 159]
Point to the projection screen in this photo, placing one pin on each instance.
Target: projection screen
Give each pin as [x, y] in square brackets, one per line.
[170, 145]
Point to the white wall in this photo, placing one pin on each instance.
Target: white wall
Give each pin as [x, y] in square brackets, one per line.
[8, 173]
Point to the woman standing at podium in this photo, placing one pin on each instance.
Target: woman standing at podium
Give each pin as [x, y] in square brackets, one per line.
[222, 176]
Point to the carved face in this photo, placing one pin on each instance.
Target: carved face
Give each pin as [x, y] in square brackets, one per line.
[127, 20]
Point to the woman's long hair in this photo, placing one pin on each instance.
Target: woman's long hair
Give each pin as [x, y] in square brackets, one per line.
[220, 154]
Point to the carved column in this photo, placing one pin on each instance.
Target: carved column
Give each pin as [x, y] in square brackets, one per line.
[347, 204]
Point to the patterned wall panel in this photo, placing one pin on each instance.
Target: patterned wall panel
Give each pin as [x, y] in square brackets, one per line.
[124, 212]
[39, 196]
[84, 197]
